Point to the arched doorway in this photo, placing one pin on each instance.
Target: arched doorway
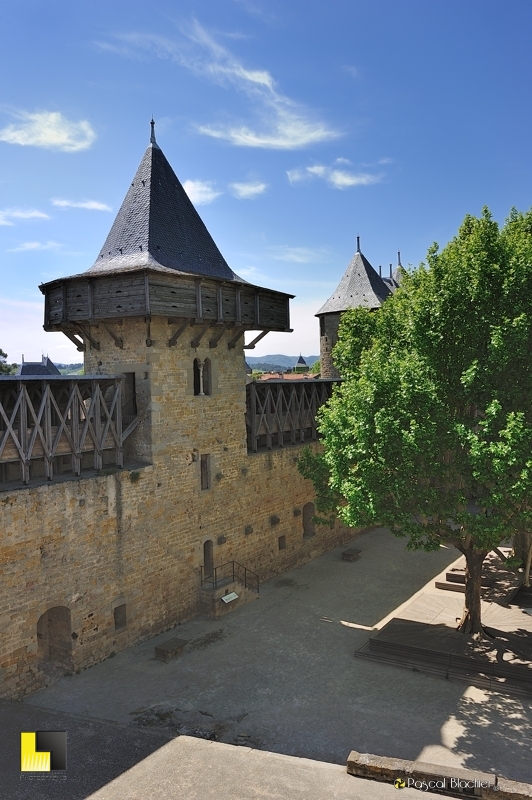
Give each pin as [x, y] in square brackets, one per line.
[208, 559]
[54, 637]
[309, 528]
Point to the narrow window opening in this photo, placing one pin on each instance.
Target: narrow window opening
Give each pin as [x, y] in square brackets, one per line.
[129, 399]
[282, 542]
[202, 377]
[208, 560]
[322, 326]
[196, 377]
[207, 377]
[120, 617]
[205, 465]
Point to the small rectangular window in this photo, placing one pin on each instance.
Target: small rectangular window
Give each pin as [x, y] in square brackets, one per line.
[120, 617]
[129, 395]
[322, 326]
[205, 463]
[282, 542]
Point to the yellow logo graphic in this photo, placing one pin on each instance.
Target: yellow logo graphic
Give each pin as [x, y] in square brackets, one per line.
[399, 783]
[42, 751]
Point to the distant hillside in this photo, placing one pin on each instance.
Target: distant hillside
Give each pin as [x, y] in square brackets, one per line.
[275, 361]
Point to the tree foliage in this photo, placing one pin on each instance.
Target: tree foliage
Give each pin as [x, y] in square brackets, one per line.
[430, 432]
[5, 368]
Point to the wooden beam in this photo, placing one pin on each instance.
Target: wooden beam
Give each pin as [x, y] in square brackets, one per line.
[147, 295]
[219, 303]
[238, 305]
[197, 339]
[119, 342]
[251, 345]
[214, 342]
[232, 344]
[90, 298]
[80, 344]
[87, 334]
[199, 308]
[173, 339]
[257, 308]
[64, 317]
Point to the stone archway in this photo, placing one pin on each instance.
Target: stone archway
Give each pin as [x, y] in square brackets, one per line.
[54, 637]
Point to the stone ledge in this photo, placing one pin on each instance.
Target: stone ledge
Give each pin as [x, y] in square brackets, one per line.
[382, 768]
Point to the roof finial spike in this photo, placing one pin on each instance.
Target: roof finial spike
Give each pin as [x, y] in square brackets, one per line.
[399, 259]
[358, 244]
[152, 137]
[390, 270]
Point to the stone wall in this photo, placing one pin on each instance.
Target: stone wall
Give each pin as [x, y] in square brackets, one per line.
[135, 537]
[329, 324]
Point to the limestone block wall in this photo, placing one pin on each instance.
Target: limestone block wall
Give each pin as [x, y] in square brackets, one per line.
[115, 558]
[329, 324]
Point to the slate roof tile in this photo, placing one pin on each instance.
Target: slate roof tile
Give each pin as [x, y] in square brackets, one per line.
[158, 227]
[360, 286]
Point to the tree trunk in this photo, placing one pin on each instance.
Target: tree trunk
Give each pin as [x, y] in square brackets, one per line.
[471, 621]
[522, 542]
[528, 564]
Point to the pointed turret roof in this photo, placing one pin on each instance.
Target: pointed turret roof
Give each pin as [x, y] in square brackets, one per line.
[301, 361]
[158, 227]
[360, 286]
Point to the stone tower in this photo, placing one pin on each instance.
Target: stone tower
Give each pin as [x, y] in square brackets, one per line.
[161, 305]
[360, 287]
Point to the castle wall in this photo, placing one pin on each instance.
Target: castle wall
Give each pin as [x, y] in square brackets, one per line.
[115, 558]
[329, 324]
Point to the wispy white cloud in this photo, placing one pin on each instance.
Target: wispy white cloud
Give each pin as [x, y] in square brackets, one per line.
[249, 190]
[251, 274]
[353, 71]
[337, 178]
[49, 129]
[90, 205]
[299, 255]
[342, 161]
[282, 123]
[27, 246]
[7, 215]
[201, 192]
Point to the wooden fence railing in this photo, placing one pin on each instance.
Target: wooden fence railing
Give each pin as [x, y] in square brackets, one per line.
[41, 419]
[279, 412]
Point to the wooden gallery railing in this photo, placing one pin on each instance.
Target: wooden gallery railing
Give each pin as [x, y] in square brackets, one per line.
[42, 419]
[281, 412]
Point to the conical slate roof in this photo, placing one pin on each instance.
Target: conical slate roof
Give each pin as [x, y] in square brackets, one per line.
[157, 226]
[360, 286]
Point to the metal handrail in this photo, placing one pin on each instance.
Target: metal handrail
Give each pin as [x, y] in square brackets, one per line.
[233, 571]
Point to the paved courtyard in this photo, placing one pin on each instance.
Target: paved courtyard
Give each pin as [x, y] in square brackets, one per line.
[279, 674]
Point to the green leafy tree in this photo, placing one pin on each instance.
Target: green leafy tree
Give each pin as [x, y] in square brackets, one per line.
[315, 368]
[5, 368]
[430, 432]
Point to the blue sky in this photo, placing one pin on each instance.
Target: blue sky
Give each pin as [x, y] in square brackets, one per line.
[294, 127]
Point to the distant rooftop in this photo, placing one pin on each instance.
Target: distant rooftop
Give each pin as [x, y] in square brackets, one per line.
[43, 367]
[361, 286]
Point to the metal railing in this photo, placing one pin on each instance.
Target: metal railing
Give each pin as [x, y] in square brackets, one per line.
[61, 416]
[279, 412]
[231, 571]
